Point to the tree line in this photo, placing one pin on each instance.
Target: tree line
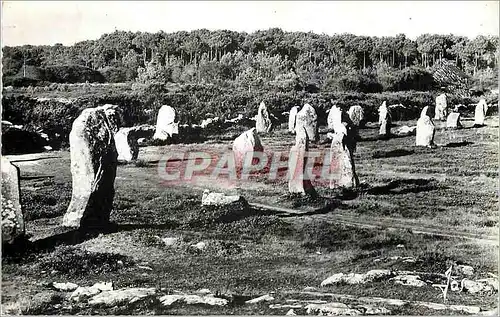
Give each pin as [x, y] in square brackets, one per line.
[204, 55]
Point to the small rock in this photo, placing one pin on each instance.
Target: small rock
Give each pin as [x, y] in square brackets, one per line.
[465, 270]
[372, 310]
[400, 246]
[168, 300]
[281, 306]
[331, 309]
[406, 130]
[334, 279]
[218, 199]
[309, 289]
[354, 278]
[409, 260]
[144, 267]
[91, 290]
[492, 282]
[200, 245]
[65, 287]
[471, 287]
[263, 298]
[373, 275]
[483, 285]
[170, 241]
[204, 291]
[119, 262]
[409, 280]
[130, 295]
[291, 312]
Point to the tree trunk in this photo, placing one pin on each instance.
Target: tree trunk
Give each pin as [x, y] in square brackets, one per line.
[406, 60]
[475, 64]
[393, 58]
[144, 52]
[115, 55]
[364, 60]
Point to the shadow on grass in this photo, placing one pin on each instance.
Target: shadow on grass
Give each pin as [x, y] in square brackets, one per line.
[403, 186]
[35, 159]
[207, 217]
[23, 249]
[383, 137]
[458, 144]
[36, 177]
[393, 153]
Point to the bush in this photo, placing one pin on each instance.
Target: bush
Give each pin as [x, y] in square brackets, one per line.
[193, 103]
[352, 81]
[16, 81]
[485, 80]
[416, 78]
[388, 77]
[72, 74]
[114, 74]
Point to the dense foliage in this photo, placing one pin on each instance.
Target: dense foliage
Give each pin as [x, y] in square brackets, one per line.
[342, 62]
[193, 103]
[224, 73]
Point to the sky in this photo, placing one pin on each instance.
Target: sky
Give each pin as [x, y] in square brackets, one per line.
[67, 22]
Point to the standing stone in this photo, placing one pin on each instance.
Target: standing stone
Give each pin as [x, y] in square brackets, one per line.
[246, 144]
[334, 117]
[308, 119]
[93, 168]
[441, 108]
[340, 121]
[165, 125]
[127, 144]
[12, 215]
[341, 172]
[357, 115]
[263, 122]
[292, 119]
[298, 183]
[453, 121]
[480, 113]
[384, 120]
[424, 111]
[425, 131]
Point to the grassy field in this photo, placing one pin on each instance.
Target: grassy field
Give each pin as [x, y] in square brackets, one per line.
[250, 252]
